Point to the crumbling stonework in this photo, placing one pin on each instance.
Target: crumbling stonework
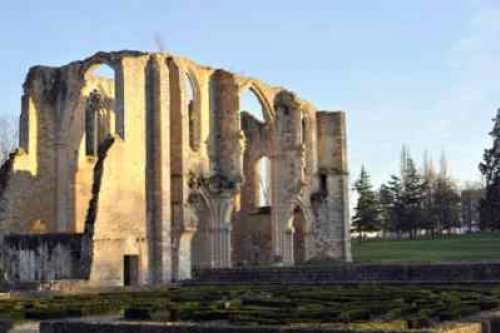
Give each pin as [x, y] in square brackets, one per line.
[155, 182]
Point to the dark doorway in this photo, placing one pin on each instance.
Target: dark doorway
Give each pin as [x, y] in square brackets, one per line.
[131, 270]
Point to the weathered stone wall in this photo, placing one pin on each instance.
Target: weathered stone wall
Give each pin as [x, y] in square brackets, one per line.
[330, 202]
[29, 258]
[355, 273]
[120, 222]
[124, 327]
[252, 240]
[181, 172]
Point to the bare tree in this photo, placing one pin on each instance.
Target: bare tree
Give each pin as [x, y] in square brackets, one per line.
[9, 130]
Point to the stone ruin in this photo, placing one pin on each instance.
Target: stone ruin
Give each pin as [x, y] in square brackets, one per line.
[150, 174]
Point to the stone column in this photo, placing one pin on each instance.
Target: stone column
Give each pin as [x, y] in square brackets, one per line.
[331, 202]
[288, 246]
[287, 172]
[309, 245]
[222, 207]
[62, 184]
[184, 265]
[339, 207]
[277, 232]
[228, 148]
[158, 189]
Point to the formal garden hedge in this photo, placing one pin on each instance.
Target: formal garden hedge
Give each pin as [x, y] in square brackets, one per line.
[387, 307]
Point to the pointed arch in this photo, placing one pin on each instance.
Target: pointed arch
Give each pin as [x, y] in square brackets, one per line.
[192, 107]
[103, 86]
[301, 223]
[256, 90]
[251, 104]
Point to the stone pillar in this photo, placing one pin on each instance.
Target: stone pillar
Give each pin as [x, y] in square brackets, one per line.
[288, 246]
[287, 172]
[184, 265]
[158, 170]
[309, 247]
[228, 140]
[331, 203]
[219, 196]
[179, 162]
[339, 204]
[222, 207]
[62, 184]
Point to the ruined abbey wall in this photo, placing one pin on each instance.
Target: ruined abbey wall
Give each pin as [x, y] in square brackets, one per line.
[156, 166]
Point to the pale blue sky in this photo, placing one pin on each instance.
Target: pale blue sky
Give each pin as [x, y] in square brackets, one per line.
[422, 73]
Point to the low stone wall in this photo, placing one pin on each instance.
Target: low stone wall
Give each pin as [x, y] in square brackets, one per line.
[123, 327]
[354, 273]
[41, 258]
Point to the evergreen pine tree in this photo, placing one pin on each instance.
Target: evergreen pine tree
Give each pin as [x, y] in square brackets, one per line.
[386, 202]
[489, 206]
[413, 190]
[490, 169]
[447, 204]
[367, 216]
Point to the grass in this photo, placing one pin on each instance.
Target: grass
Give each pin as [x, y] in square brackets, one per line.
[369, 307]
[463, 248]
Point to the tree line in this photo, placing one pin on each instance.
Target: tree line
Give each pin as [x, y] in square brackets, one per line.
[490, 169]
[408, 204]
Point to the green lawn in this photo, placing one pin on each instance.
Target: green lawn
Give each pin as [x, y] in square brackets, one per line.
[473, 247]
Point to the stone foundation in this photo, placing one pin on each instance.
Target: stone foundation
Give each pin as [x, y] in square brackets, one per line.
[355, 274]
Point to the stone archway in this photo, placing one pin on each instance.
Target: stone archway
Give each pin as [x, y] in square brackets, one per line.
[204, 241]
[300, 233]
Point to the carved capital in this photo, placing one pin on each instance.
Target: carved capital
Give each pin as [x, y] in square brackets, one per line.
[215, 185]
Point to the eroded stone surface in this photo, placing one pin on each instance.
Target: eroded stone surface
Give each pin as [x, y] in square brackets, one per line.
[178, 187]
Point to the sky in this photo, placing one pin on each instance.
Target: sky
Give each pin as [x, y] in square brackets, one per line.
[421, 73]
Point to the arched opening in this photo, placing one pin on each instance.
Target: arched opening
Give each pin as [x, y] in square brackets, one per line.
[263, 182]
[299, 236]
[190, 107]
[100, 117]
[250, 104]
[104, 72]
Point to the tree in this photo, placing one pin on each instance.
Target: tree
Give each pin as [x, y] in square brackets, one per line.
[447, 204]
[367, 217]
[8, 137]
[470, 198]
[386, 201]
[441, 199]
[489, 206]
[429, 208]
[413, 193]
[392, 208]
